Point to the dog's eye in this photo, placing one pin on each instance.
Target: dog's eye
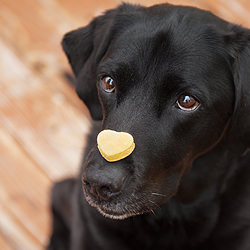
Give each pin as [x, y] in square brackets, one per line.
[187, 103]
[108, 84]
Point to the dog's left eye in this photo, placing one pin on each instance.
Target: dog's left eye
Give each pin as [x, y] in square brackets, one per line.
[108, 84]
[187, 103]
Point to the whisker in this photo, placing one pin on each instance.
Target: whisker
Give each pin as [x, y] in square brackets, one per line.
[159, 194]
[153, 212]
[154, 203]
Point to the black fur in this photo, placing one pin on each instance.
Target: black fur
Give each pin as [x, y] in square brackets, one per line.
[186, 185]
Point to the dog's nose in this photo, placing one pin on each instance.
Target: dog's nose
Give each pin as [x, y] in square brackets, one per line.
[101, 191]
[103, 184]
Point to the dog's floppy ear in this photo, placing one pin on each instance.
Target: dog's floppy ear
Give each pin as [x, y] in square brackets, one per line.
[81, 47]
[86, 46]
[78, 45]
[239, 49]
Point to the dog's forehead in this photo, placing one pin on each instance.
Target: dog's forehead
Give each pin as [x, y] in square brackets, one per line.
[166, 45]
[150, 38]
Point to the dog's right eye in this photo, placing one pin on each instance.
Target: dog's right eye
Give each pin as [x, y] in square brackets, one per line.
[187, 103]
[108, 84]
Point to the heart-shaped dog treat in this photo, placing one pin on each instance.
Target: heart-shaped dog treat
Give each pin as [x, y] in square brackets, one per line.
[115, 146]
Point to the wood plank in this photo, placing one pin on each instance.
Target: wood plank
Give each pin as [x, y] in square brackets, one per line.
[4, 244]
[17, 238]
[48, 109]
[83, 11]
[194, 3]
[24, 193]
[96, 7]
[41, 54]
[32, 21]
[237, 11]
[49, 128]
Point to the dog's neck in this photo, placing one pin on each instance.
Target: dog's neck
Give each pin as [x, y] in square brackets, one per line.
[211, 172]
[197, 200]
[205, 175]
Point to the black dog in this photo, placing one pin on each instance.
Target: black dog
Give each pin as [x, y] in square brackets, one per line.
[178, 80]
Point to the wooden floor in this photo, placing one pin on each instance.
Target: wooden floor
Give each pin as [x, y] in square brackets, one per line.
[42, 123]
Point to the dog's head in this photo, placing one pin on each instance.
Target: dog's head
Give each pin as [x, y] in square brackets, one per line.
[177, 79]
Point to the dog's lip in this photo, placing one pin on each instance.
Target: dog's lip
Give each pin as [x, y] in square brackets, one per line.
[119, 212]
[109, 213]
[112, 213]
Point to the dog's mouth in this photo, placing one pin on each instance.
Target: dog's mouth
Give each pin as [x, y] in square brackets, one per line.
[108, 211]
[117, 215]
[123, 209]
[132, 201]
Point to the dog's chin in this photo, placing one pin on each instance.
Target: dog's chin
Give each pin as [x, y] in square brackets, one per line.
[120, 211]
[112, 213]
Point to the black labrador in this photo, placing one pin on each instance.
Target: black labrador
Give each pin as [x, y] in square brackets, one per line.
[178, 80]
